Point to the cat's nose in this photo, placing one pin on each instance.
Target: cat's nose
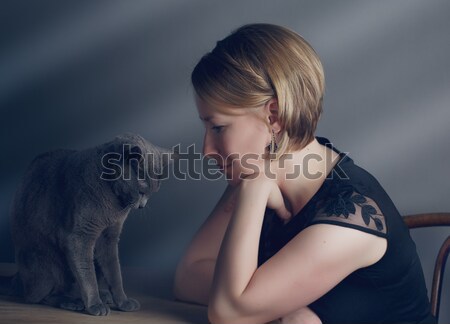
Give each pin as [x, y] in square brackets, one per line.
[143, 202]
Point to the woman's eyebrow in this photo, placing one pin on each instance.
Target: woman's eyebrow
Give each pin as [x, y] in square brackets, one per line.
[206, 118]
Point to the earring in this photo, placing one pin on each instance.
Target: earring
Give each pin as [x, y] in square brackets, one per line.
[273, 144]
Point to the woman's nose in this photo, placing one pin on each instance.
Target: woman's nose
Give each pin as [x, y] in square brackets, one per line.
[209, 148]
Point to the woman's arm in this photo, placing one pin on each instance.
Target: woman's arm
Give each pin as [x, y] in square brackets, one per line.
[195, 270]
[194, 273]
[312, 263]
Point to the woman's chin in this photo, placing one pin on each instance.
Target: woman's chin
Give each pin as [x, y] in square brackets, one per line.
[233, 179]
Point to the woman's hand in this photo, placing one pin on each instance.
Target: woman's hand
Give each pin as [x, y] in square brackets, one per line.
[276, 202]
[275, 198]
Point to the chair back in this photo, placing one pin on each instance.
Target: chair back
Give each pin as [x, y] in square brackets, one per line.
[429, 220]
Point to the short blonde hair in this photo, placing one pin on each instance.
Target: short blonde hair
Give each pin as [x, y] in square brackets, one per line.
[258, 62]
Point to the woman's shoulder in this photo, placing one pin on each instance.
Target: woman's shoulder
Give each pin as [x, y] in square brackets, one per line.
[343, 203]
[351, 197]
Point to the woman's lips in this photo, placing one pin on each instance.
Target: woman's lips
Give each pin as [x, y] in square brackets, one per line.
[221, 167]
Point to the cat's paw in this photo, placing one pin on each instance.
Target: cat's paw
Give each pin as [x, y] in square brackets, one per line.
[98, 309]
[106, 297]
[129, 305]
[74, 305]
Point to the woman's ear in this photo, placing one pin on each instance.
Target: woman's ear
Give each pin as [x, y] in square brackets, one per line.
[272, 113]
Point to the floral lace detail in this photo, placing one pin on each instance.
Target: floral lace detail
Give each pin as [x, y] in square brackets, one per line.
[343, 202]
[344, 205]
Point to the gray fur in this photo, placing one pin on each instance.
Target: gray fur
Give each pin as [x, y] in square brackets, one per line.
[64, 216]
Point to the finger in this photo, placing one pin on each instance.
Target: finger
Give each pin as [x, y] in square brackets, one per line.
[284, 214]
[280, 207]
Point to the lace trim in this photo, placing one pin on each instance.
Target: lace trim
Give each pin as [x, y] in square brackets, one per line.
[349, 206]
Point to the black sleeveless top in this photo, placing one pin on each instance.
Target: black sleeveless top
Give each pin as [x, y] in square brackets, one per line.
[390, 291]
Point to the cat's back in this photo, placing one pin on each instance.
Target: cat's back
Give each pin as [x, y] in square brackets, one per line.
[36, 199]
[44, 170]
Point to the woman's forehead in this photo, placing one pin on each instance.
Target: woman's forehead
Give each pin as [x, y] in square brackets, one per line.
[211, 116]
[206, 111]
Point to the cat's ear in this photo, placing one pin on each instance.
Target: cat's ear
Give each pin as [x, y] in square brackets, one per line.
[134, 157]
[133, 152]
[125, 152]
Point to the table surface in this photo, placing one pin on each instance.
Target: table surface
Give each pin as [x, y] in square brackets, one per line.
[153, 310]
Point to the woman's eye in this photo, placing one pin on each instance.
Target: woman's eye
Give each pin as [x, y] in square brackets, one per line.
[217, 129]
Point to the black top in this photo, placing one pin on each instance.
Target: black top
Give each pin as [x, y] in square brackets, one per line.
[390, 291]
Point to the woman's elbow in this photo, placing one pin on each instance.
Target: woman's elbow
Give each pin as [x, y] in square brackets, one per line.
[179, 287]
[182, 293]
[226, 313]
[178, 293]
[215, 316]
[190, 285]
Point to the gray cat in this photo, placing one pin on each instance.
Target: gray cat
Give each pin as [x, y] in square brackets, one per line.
[69, 212]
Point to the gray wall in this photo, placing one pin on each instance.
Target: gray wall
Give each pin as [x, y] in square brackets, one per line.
[75, 73]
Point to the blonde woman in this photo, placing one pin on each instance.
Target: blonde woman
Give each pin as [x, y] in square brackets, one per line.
[301, 233]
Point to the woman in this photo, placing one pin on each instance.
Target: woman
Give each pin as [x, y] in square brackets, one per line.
[301, 233]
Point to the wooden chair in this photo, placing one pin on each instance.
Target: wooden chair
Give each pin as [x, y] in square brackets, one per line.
[428, 220]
